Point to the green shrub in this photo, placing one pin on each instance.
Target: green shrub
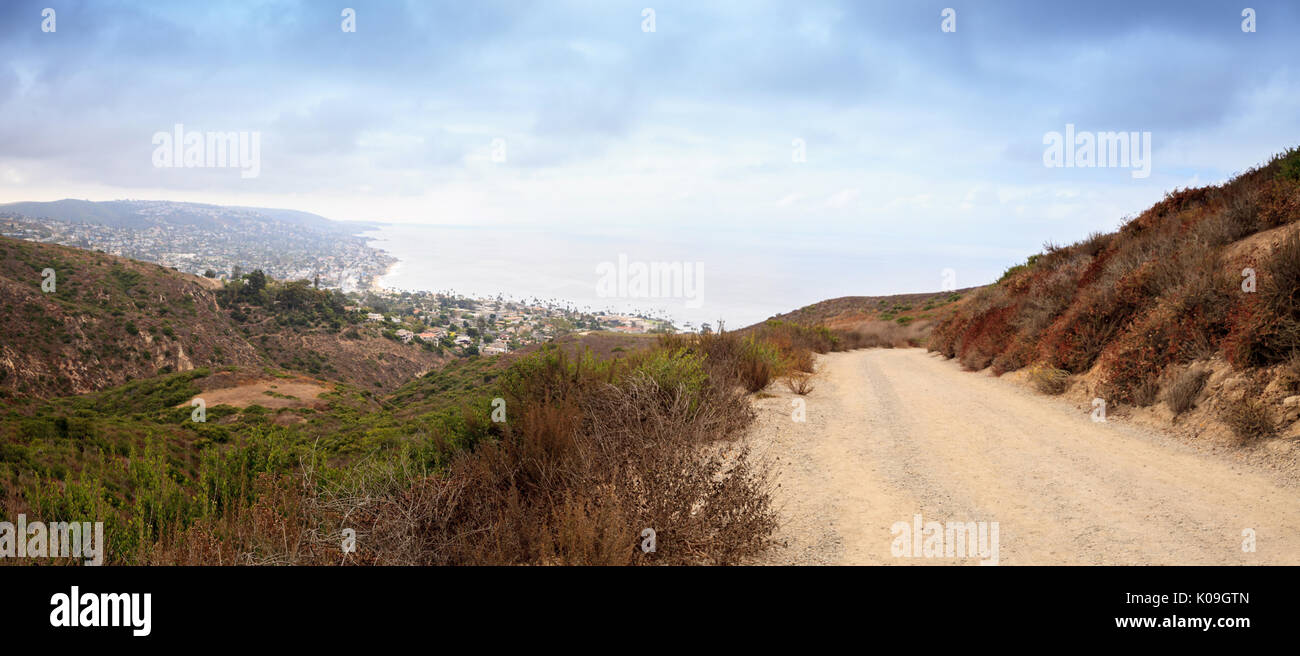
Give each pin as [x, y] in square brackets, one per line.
[1289, 166]
[674, 370]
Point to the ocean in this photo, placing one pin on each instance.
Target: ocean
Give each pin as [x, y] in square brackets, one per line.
[740, 277]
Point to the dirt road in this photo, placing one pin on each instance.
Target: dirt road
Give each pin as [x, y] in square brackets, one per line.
[890, 434]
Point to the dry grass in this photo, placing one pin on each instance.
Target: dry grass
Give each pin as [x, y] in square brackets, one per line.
[1049, 380]
[884, 334]
[799, 383]
[1182, 393]
[1248, 418]
[755, 373]
[1279, 294]
[1145, 392]
[801, 360]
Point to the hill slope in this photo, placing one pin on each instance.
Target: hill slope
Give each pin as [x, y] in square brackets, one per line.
[107, 320]
[847, 312]
[1205, 281]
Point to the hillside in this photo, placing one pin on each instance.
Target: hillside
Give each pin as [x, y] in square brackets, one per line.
[551, 457]
[869, 321]
[848, 311]
[1195, 302]
[108, 320]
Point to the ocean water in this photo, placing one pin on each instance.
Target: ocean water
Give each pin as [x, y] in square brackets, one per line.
[737, 277]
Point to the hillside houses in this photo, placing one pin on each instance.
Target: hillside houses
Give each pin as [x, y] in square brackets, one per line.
[488, 327]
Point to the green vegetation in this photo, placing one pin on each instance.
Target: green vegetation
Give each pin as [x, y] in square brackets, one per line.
[587, 449]
[1288, 165]
[255, 298]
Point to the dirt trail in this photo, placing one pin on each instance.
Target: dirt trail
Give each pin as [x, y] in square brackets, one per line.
[892, 433]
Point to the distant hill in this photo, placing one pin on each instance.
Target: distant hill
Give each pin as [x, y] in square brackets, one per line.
[141, 214]
[851, 312]
[309, 220]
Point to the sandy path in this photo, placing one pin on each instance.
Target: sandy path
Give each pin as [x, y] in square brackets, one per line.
[894, 433]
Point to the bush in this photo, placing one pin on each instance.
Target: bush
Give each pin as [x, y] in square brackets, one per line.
[801, 360]
[1288, 165]
[1279, 293]
[755, 373]
[675, 371]
[1240, 218]
[799, 383]
[1145, 392]
[582, 467]
[1181, 395]
[884, 334]
[1049, 380]
[1248, 418]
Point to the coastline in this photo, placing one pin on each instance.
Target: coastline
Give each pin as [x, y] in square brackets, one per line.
[375, 285]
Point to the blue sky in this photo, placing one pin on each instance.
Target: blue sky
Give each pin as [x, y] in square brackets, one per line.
[920, 144]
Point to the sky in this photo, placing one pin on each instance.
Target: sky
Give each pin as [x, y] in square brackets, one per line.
[848, 126]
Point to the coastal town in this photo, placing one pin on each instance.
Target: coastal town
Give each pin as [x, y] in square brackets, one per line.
[225, 243]
[492, 326]
[213, 241]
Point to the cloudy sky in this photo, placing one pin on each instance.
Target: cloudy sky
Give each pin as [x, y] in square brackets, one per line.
[917, 140]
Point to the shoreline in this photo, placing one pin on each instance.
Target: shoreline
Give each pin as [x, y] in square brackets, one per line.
[374, 285]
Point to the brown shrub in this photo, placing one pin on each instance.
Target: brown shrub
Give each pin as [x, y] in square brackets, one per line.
[799, 383]
[1132, 363]
[755, 373]
[1012, 359]
[1238, 219]
[885, 334]
[1182, 393]
[1154, 293]
[1078, 337]
[576, 479]
[1145, 392]
[1248, 418]
[1289, 373]
[1094, 243]
[975, 360]
[1278, 335]
[801, 360]
[1049, 380]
